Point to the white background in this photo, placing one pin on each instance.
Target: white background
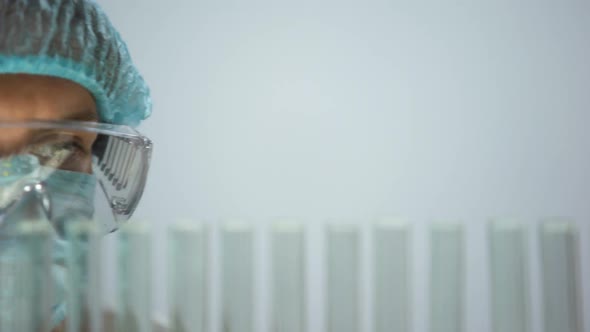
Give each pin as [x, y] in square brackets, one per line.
[349, 111]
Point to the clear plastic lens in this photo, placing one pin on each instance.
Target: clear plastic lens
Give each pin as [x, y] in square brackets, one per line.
[77, 163]
[121, 165]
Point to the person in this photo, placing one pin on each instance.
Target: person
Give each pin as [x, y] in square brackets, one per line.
[70, 98]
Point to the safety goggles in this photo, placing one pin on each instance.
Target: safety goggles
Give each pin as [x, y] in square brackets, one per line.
[74, 170]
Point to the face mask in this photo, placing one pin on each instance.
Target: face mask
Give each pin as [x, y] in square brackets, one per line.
[72, 197]
[69, 197]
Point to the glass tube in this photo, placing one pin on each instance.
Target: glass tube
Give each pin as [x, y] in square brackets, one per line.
[509, 277]
[343, 279]
[561, 277]
[446, 278]
[237, 278]
[187, 249]
[26, 290]
[83, 292]
[288, 266]
[134, 311]
[392, 278]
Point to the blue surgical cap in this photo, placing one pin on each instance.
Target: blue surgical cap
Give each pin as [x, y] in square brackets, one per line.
[74, 40]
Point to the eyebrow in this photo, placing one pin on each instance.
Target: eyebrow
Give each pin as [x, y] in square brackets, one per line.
[82, 115]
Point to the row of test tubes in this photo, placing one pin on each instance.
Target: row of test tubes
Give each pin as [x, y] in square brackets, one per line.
[26, 295]
[391, 254]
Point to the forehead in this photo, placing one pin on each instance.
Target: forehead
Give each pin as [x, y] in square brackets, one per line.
[31, 97]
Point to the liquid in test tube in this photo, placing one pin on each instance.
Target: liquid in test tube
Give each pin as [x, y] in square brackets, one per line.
[509, 276]
[343, 310]
[446, 278]
[83, 293]
[561, 276]
[288, 266]
[237, 277]
[392, 276]
[134, 310]
[26, 291]
[187, 244]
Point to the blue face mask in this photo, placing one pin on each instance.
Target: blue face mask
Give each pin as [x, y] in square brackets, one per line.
[70, 198]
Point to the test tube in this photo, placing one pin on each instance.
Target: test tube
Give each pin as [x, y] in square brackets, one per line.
[343, 279]
[447, 278]
[288, 266]
[237, 277]
[25, 290]
[509, 277]
[83, 293]
[187, 243]
[392, 277]
[134, 312]
[561, 277]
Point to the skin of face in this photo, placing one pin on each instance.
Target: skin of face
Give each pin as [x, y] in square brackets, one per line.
[30, 97]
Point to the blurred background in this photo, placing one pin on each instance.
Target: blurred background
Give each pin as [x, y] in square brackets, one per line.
[344, 111]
